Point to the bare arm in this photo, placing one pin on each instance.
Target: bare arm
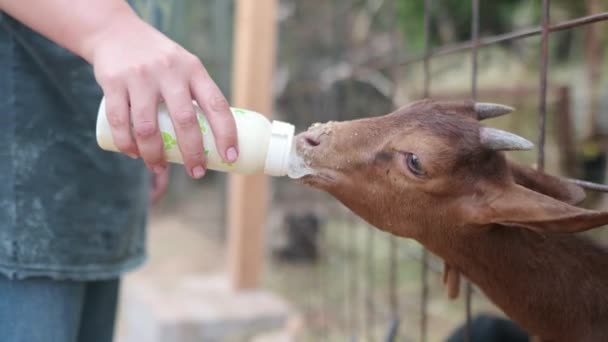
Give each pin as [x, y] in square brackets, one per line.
[136, 66]
[71, 24]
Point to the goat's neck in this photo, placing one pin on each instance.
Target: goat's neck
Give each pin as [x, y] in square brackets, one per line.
[545, 283]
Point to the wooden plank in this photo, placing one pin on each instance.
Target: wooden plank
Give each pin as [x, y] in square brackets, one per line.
[254, 59]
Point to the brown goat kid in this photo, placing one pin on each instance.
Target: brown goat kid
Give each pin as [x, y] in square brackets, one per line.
[431, 172]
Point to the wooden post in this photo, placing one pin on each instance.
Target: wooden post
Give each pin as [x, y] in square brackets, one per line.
[254, 59]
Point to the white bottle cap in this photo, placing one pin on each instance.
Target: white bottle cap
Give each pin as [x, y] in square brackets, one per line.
[279, 149]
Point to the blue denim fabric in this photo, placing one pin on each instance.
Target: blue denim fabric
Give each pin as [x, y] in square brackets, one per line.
[68, 210]
[44, 310]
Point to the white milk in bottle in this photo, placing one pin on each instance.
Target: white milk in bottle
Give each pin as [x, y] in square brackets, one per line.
[264, 146]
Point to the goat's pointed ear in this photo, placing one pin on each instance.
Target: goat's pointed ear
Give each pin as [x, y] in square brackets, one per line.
[546, 184]
[522, 207]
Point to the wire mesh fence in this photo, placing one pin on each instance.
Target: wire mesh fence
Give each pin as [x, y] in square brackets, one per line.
[346, 59]
[367, 285]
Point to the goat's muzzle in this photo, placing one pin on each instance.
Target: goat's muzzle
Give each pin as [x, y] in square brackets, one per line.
[312, 147]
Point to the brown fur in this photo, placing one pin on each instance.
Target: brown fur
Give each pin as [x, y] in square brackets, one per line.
[500, 224]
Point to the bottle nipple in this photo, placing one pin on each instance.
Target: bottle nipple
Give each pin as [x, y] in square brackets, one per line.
[297, 167]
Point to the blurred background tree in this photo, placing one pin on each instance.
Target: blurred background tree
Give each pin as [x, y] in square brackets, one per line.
[451, 21]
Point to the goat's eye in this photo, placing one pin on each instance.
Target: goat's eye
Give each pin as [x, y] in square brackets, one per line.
[413, 164]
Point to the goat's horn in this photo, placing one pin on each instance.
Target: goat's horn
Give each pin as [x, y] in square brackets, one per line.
[486, 110]
[499, 140]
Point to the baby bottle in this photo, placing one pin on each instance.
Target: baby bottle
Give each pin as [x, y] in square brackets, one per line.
[264, 146]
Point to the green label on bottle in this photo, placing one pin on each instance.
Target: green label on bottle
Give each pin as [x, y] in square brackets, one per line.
[238, 111]
[168, 141]
[202, 123]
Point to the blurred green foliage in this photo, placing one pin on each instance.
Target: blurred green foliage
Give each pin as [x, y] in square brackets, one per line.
[451, 19]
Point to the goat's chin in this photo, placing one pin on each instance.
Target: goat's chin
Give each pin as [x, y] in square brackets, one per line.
[321, 180]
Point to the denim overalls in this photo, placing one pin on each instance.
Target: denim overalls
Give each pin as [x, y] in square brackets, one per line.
[68, 210]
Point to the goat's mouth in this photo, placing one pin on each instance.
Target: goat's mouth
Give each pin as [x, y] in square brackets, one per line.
[310, 149]
[319, 179]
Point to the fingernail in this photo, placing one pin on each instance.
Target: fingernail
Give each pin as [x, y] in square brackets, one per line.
[132, 155]
[198, 172]
[231, 154]
[159, 169]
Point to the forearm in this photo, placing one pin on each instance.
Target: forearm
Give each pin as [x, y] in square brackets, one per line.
[74, 25]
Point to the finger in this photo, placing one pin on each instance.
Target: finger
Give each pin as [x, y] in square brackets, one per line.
[189, 137]
[117, 112]
[159, 186]
[216, 109]
[144, 114]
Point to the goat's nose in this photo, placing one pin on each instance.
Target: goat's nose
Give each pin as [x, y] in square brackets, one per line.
[312, 139]
[315, 135]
